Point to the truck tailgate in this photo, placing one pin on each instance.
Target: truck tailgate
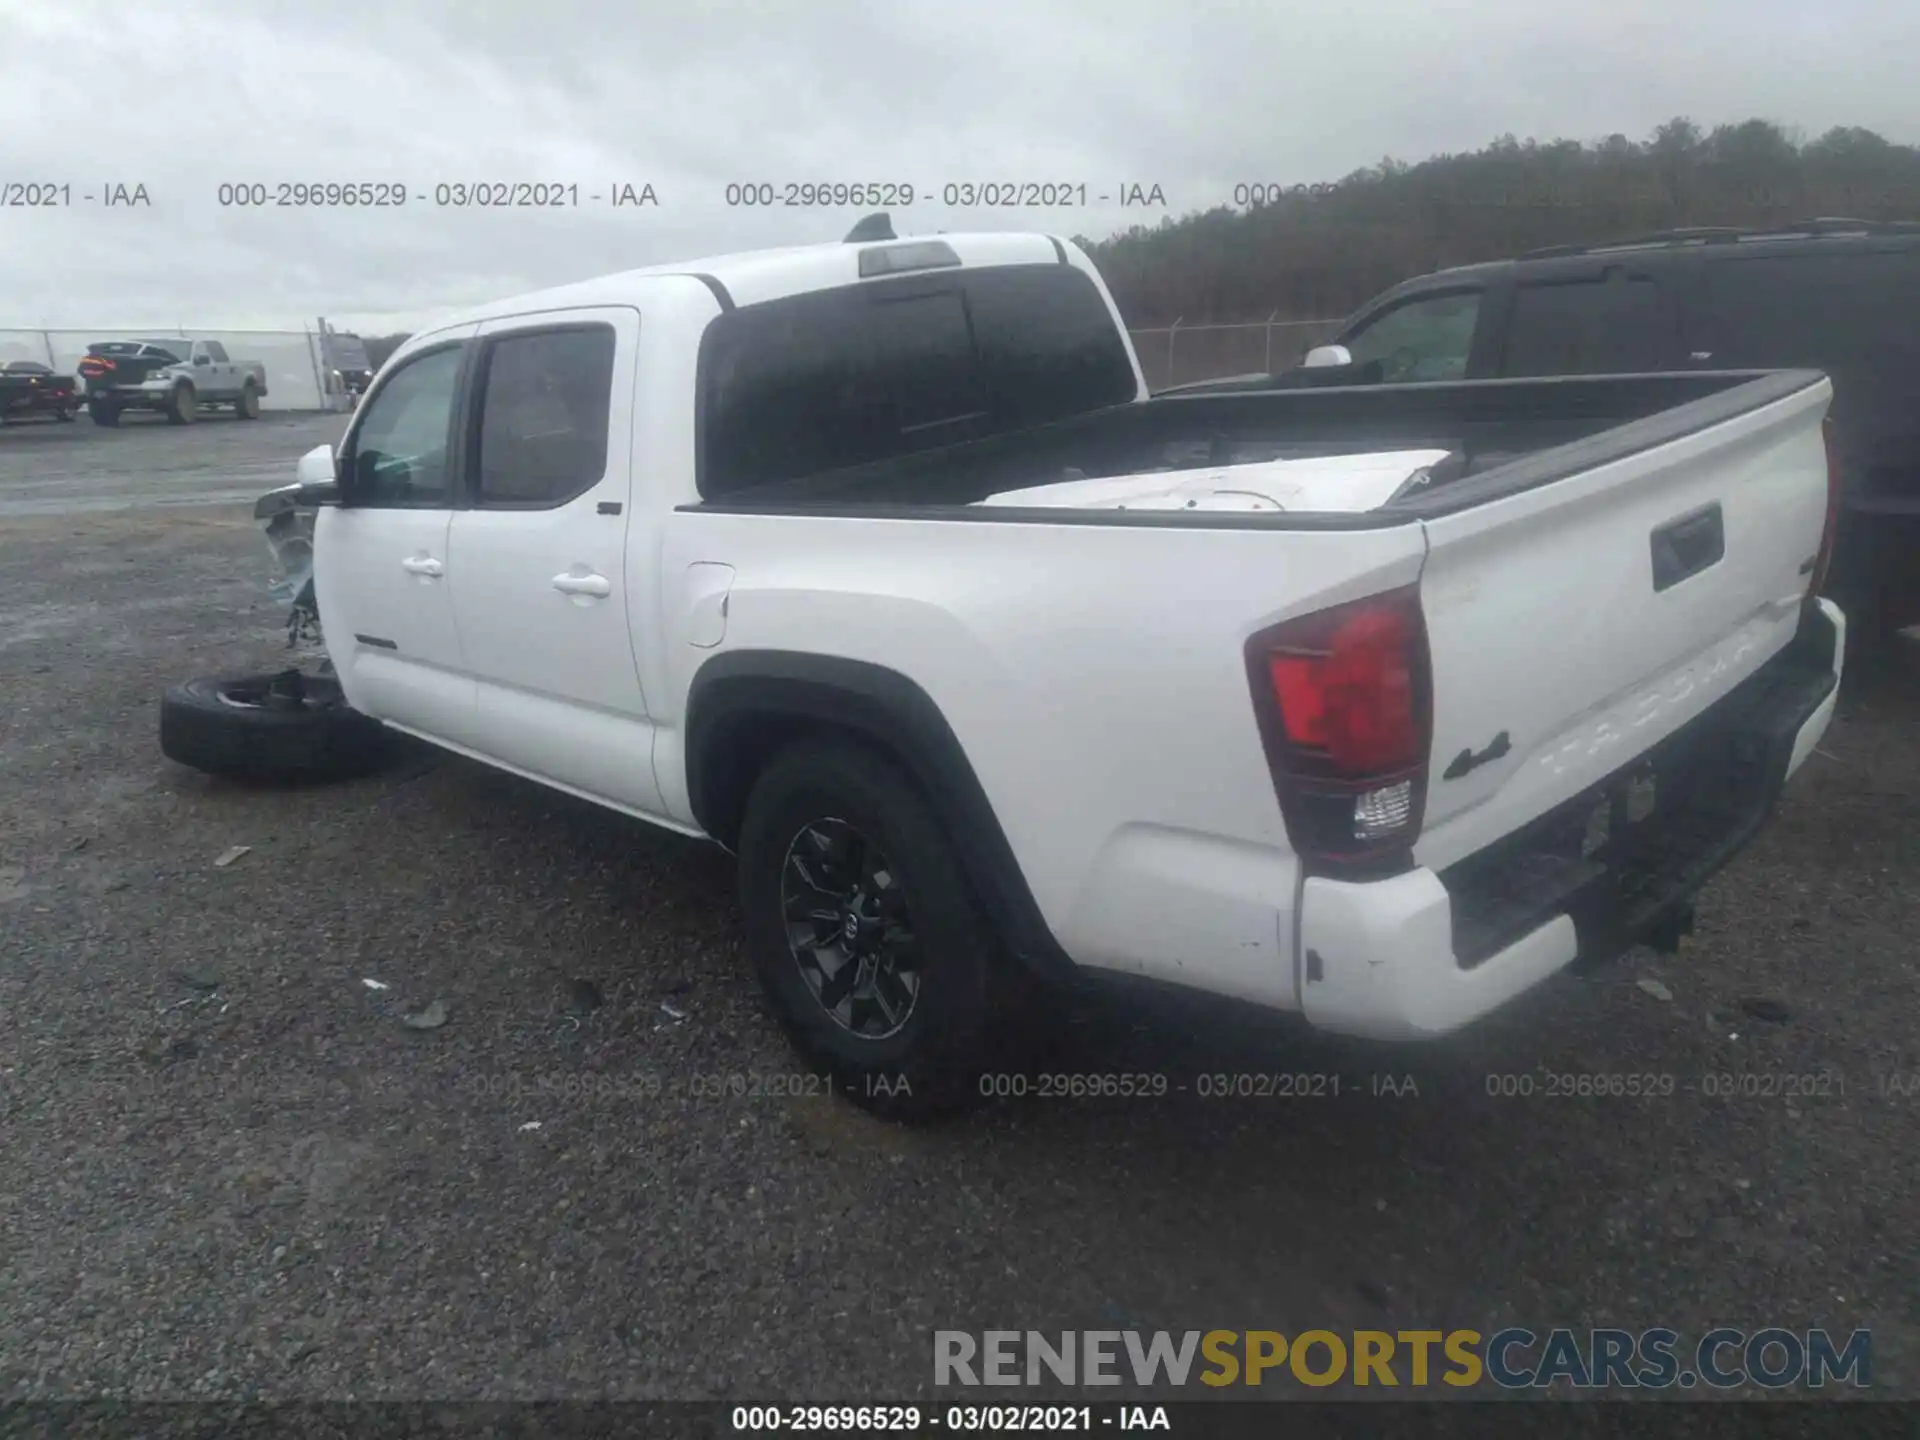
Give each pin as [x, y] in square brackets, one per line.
[1575, 625]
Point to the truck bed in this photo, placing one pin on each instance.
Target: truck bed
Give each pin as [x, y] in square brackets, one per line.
[1597, 564]
[1500, 437]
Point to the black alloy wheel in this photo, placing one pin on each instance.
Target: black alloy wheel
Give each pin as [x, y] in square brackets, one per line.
[876, 956]
[849, 930]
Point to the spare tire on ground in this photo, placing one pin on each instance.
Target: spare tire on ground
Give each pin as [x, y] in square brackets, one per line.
[287, 726]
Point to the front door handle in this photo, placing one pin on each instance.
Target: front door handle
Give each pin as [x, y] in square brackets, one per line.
[569, 583]
[425, 565]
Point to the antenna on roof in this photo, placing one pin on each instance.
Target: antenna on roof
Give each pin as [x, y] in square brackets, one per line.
[874, 227]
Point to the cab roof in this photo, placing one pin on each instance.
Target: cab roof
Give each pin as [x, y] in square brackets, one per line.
[750, 277]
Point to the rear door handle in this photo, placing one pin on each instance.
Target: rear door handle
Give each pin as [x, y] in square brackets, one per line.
[425, 565]
[569, 583]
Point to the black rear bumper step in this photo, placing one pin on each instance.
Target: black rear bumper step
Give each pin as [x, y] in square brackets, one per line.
[1624, 879]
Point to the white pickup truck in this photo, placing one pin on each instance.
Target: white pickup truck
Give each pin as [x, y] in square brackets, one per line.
[876, 564]
[175, 377]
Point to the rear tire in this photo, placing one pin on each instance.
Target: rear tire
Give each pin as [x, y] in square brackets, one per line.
[266, 728]
[64, 414]
[248, 407]
[843, 864]
[103, 412]
[183, 406]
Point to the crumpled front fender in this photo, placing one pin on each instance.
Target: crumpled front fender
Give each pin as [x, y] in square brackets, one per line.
[289, 529]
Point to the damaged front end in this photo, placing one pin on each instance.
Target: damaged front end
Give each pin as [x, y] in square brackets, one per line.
[289, 527]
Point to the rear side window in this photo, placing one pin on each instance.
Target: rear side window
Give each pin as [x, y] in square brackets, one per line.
[1829, 311]
[543, 416]
[1849, 313]
[862, 373]
[1616, 326]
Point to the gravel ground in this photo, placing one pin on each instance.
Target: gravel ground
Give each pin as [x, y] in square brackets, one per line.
[50, 469]
[232, 1171]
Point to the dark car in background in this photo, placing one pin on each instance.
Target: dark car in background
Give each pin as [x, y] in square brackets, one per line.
[1837, 295]
[29, 388]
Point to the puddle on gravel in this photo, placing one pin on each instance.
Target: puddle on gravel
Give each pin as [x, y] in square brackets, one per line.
[30, 624]
[42, 622]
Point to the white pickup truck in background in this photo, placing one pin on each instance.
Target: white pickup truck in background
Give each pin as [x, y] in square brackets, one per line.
[175, 377]
[876, 564]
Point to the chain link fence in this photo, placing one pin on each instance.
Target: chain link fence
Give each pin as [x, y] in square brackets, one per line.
[1177, 354]
[296, 373]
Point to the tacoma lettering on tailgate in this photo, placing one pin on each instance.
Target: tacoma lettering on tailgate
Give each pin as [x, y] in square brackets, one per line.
[1650, 715]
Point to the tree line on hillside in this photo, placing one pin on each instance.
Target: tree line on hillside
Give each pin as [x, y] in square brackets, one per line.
[1322, 254]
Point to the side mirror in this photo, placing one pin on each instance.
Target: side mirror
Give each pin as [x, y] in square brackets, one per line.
[317, 477]
[1323, 356]
[201, 360]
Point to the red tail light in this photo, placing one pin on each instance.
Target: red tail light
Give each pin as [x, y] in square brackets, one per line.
[1824, 559]
[95, 365]
[1344, 702]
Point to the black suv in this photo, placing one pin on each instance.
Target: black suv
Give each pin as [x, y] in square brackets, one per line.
[1841, 296]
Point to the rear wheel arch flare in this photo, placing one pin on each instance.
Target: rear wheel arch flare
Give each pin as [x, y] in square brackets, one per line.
[744, 706]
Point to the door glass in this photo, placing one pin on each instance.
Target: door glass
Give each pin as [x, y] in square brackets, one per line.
[1615, 326]
[543, 417]
[400, 445]
[1428, 339]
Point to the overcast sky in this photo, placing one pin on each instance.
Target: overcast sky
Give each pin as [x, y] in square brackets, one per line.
[183, 96]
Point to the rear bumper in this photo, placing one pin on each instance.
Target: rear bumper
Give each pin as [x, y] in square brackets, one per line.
[1425, 953]
[37, 401]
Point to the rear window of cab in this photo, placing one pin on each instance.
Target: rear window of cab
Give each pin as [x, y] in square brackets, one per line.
[865, 372]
